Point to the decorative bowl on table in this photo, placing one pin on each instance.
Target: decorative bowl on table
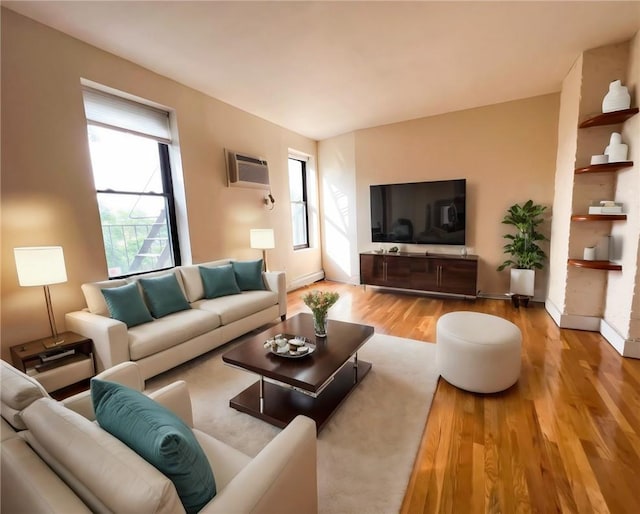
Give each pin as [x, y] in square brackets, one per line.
[289, 346]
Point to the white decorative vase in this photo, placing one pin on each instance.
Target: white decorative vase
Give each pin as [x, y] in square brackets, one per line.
[617, 150]
[522, 281]
[617, 99]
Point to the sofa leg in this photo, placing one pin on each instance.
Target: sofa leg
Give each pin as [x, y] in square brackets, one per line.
[283, 317]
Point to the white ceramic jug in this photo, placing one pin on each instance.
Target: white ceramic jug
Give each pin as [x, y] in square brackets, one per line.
[617, 150]
[617, 99]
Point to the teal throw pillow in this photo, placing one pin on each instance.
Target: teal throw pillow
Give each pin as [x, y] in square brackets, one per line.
[219, 281]
[248, 274]
[125, 304]
[158, 436]
[163, 295]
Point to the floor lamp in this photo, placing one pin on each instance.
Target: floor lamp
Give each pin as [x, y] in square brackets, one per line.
[263, 239]
[42, 266]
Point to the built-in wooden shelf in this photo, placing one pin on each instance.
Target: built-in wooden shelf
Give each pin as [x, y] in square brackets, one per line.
[599, 217]
[601, 265]
[609, 118]
[607, 167]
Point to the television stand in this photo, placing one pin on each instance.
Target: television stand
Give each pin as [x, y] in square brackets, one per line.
[429, 273]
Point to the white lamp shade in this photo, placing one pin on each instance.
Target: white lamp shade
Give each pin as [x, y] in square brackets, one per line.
[262, 238]
[40, 265]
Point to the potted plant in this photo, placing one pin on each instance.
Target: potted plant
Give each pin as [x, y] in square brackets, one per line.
[320, 302]
[525, 255]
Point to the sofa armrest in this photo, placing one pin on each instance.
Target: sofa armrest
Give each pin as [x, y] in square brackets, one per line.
[175, 397]
[282, 476]
[125, 373]
[29, 485]
[81, 403]
[110, 337]
[277, 282]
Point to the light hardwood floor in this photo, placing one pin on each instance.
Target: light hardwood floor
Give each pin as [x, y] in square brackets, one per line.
[565, 438]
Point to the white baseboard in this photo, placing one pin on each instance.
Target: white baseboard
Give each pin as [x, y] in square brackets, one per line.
[553, 311]
[632, 349]
[611, 335]
[305, 280]
[505, 296]
[590, 323]
[493, 296]
[625, 347]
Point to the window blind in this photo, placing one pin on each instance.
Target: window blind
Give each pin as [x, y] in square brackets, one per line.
[121, 114]
[298, 156]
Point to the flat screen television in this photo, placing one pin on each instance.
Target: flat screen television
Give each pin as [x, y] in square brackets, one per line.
[419, 212]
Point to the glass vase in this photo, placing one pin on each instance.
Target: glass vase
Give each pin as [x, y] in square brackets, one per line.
[320, 323]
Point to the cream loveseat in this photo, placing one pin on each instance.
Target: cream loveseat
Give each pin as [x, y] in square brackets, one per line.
[65, 462]
[170, 340]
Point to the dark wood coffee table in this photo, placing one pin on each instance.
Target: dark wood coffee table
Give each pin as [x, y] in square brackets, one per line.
[314, 385]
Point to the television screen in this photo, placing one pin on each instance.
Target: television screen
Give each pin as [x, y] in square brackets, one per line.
[419, 212]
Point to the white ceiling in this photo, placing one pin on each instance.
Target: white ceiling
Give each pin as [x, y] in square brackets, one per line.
[327, 68]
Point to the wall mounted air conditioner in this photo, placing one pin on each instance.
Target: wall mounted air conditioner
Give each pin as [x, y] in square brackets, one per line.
[246, 171]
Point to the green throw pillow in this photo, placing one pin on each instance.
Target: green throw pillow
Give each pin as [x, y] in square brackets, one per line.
[126, 304]
[158, 436]
[248, 274]
[219, 281]
[163, 295]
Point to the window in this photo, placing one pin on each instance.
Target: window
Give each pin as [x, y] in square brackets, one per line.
[128, 143]
[299, 208]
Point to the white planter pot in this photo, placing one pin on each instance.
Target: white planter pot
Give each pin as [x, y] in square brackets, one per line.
[523, 281]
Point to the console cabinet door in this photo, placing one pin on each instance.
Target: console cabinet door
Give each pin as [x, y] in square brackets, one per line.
[372, 270]
[423, 273]
[398, 271]
[457, 276]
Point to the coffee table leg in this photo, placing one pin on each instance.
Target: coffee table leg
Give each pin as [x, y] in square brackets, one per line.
[355, 368]
[261, 394]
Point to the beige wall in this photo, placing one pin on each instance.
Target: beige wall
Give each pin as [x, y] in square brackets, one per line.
[586, 289]
[338, 186]
[622, 304]
[48, 196]
[563, 197]
[634, 126]
[505, 151]
[583, 298]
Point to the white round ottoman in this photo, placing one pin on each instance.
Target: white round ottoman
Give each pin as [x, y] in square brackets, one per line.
[478, 352]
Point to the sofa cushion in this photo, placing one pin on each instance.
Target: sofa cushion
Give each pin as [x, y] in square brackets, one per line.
[171, 330]
[126, 305]
[225, 461]
[103, 471]
[249, 275]
[6, 431]
[219, 281]
[159, 436]
[193, 286]
[164, 295]
[28, 485]
[161, 273]
[94, 297]
[18, 391]
[235, 307]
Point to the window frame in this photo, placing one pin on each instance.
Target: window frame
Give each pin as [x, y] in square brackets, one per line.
[304, 202]
[165, 176]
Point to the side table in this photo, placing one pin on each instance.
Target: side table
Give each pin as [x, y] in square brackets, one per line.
[59, 366]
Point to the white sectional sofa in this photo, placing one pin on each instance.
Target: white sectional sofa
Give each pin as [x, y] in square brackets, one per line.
[167, 341]
[55, 458]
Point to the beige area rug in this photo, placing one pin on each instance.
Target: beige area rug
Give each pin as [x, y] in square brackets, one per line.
[367, 450]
